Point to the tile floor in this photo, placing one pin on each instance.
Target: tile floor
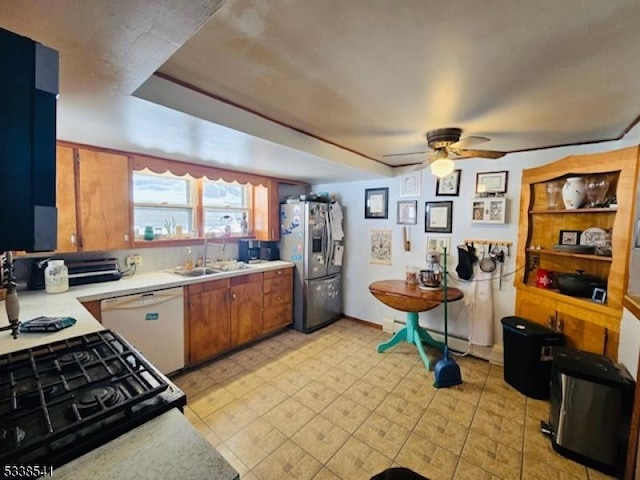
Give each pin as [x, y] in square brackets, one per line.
[327, 406]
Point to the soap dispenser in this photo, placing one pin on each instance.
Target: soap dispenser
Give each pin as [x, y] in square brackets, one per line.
[189, 262]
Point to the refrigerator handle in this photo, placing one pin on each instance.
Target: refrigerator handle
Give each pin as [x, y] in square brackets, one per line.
[329, 250]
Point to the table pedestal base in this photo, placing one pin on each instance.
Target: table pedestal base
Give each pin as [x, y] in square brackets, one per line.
[412, 333]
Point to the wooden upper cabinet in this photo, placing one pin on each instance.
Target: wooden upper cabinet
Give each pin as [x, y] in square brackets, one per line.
[266, 211]
[66, 200]
[103, 196]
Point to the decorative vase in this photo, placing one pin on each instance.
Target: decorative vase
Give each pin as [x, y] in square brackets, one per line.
[573, 193]
[553, 190]
[596, 188]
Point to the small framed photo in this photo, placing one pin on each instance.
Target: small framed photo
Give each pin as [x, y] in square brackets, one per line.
[438, 217]
[449, 186]
[407, 212]
[569, 237]
[410, 184]
[599, 295]
[491, 182]
[376, 203]
[437, 243]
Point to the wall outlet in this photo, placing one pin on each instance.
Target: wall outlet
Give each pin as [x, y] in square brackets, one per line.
[134, 260]
[387, 324]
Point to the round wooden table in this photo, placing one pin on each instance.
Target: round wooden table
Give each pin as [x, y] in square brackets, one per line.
[411, 299]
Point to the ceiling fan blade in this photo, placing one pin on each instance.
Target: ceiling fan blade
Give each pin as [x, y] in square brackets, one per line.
[403, 154]
[468, 142]
[478, 154]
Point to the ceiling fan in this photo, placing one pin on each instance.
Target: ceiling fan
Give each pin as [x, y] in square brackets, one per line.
[445, 146]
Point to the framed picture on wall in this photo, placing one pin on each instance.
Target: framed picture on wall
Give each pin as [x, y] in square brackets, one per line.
[438, 217]
[380, 252]
[410, 184]
[449, 186]
[407, 212]
[376, 203]
[491, 182]
[437, 243]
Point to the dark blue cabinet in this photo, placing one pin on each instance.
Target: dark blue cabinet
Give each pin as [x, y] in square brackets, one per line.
[28, 92]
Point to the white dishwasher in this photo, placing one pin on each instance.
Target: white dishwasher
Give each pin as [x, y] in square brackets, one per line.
[153, 322]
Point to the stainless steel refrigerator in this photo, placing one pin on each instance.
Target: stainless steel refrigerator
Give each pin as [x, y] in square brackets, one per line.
[311, 237]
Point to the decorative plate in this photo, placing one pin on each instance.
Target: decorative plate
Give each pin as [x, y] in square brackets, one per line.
[594, 236]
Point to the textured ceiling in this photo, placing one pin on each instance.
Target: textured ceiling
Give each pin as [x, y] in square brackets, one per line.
[322, 91]
[374, 76]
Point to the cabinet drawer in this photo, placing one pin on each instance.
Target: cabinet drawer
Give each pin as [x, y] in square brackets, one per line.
[277, 298]
[276, 317]
[244, 279]
[281, 272]
[280, 284]
[208, 286]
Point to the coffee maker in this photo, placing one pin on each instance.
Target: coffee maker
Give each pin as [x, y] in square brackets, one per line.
[249, 251]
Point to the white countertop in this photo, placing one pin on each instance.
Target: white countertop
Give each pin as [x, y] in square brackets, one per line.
[167, 446]
[38, 302]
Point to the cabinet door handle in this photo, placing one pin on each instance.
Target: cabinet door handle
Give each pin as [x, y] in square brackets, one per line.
[279, 298]
[552, 322]
[126, 238]
[233, 296]
[73, 239]
[560, 327]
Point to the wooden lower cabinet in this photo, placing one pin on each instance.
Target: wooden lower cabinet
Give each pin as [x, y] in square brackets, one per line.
[246, 308]
[583, 330]
[93, 306]
[223, 314]
[278, 295]
[209, 319]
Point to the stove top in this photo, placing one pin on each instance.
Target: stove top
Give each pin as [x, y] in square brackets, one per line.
[60, 400]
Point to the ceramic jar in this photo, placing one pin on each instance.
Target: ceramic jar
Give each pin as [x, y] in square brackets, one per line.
[56, 277]
[573, 193]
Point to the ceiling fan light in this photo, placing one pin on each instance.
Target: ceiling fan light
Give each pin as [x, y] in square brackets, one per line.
[442, 167]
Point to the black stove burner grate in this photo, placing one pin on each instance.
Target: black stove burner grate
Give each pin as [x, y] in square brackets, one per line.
[55, 397]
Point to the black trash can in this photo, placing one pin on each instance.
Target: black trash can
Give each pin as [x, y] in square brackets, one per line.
[527, 355]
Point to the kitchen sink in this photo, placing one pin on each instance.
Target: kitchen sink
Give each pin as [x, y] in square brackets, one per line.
[220, 267]
[196, 272]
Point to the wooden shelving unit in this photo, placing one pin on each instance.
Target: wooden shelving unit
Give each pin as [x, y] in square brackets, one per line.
[587, 325]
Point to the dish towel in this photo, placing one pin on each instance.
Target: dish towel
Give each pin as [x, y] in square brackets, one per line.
[480, 305]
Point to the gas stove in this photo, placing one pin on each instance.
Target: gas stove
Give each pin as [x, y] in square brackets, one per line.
[61, 400]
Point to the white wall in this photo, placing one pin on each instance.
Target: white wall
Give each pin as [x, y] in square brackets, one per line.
[359, 273]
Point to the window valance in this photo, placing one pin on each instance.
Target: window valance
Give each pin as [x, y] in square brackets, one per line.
[180, 169]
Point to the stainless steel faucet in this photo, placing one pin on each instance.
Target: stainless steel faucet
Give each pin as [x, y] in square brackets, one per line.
[206, 242]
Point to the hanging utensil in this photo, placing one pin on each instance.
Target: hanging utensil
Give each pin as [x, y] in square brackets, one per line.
[487, 263]
[500, 258]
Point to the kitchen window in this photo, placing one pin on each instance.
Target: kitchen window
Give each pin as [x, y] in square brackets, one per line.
[191, 200]
[169, 204]
[226, 207]
[163, 202]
